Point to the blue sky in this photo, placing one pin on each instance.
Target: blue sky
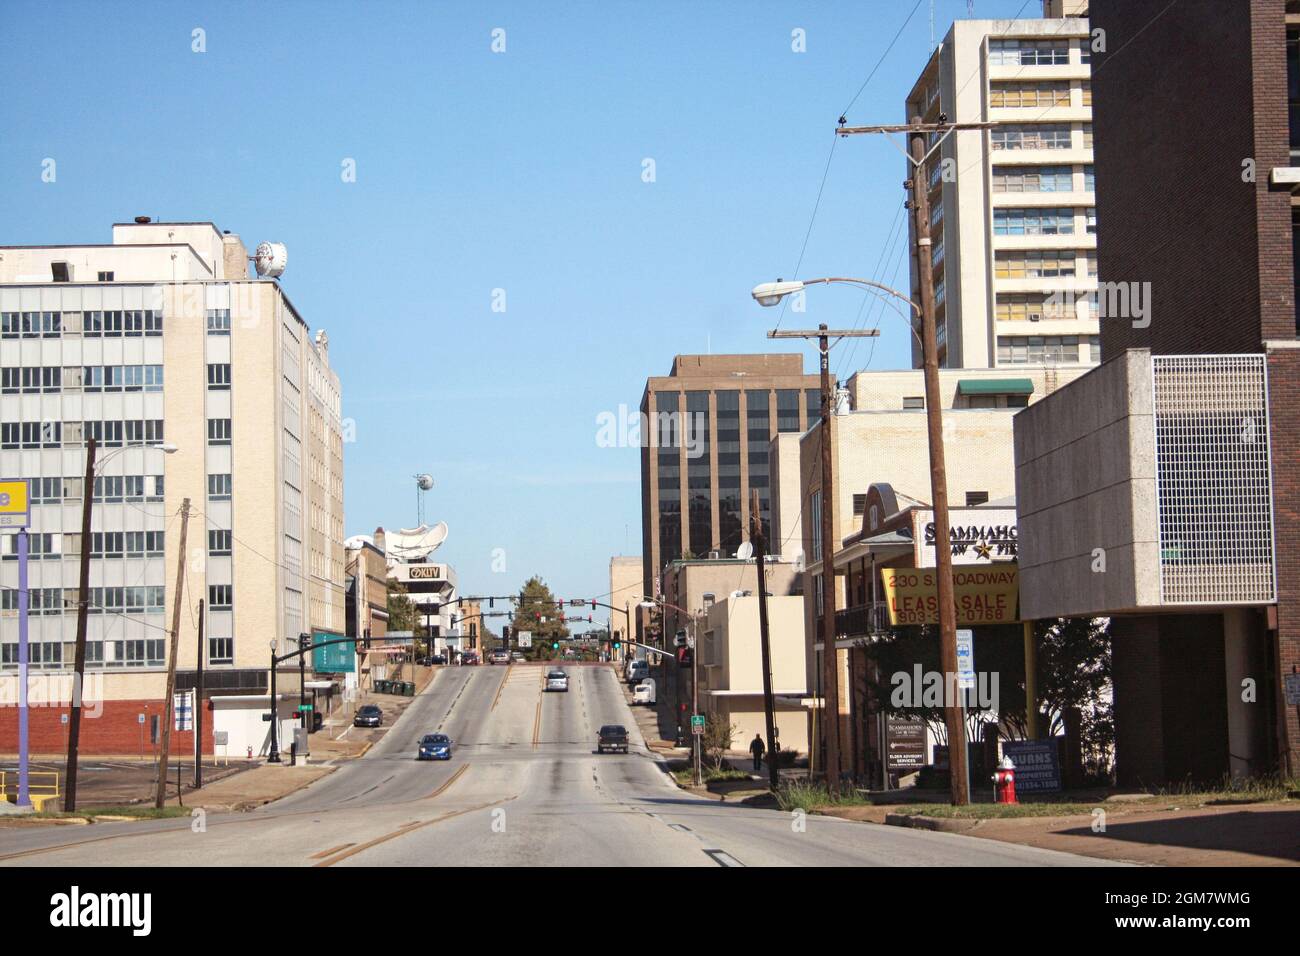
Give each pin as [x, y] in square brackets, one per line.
[477, 171]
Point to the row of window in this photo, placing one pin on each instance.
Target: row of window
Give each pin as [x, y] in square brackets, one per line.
[1043, 263]
[1020, 95]
[1038, 136]
[126, 653]
[111, 322]
[53, 434]
[1037, 349]
[107, 488]
[102, 599]
[1039, 307]
[91, 378]
[103, 544]
[1005, 52]
[1040, 179]
[1044, 221]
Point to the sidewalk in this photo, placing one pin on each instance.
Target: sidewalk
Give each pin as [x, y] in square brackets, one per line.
[1165, 834]
[253, 788]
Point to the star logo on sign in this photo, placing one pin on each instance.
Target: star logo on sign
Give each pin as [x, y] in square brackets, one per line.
[983, 550]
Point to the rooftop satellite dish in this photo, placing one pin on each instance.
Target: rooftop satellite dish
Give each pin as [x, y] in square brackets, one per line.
[745, 551]
[424, 482]
[269, 259]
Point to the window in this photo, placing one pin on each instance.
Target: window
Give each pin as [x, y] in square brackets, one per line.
[1087, 136]
[974, 498]
[219, 487]
[105, 277]
[914, 401]
[218, 321]
[219, 376]
[1038, 136]
[1029, 94]
[218, 431]
[1037, 349]
[10, 435]
[10, 325]
[1089, 179]
[1034, 307]
[1033, 179]
[219, 542]
[1086, 89]
[153, 377]
[153, 319]
[1035, 264]
[220, 597]
[1091, 217]
[1029, 52]
[859, 505]
[815, 517]
[1033, 222]
[221, 650]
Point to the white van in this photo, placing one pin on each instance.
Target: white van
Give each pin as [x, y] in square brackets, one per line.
[644, 692]
[637, 671]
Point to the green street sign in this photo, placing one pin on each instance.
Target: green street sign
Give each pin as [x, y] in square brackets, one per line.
[302, 707]
[697, 720]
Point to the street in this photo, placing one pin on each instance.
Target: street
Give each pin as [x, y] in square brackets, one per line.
[524, 787]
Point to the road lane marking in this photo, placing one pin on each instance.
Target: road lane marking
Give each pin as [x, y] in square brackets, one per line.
[404, 830]
[330, 852]
[500, 688]
[449, 781]
[722, 858]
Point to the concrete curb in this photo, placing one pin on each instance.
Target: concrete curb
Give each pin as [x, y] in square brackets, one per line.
[939, 824]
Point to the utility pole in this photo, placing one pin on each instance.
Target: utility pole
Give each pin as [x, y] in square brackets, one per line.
[919, 184]
[83, 608]
[198, 707]
[769, 703]
[163, 751]
[698, 739]
[830, 656]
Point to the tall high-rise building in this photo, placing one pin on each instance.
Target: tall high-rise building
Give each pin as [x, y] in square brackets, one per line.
[706, 429]
[161, 338]
[1013, 250]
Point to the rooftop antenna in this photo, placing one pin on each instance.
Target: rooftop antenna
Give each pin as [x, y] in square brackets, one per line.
[423, 483]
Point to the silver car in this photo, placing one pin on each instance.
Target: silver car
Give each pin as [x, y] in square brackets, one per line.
[557, 680]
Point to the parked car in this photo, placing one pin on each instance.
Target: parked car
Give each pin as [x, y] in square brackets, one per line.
[368, 715]
[644, 692]
[518, 657]
[438, 659]
[500, 657]
[557, 680]
[434, 747]
[469, 658]
[613, 738]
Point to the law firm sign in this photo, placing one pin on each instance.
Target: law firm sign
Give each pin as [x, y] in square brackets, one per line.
[15, 503]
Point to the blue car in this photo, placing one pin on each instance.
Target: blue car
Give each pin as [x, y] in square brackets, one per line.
[434, 747]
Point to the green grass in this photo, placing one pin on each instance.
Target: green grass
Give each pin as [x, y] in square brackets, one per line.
[993, 811]
[139, 812]
[685, 776]
[1267, 787]
[798, 795]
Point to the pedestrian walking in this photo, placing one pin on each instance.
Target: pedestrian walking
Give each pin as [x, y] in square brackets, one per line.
[757, 749]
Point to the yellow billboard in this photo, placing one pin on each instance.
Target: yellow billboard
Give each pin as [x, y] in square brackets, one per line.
[15, 510]
[988, 595]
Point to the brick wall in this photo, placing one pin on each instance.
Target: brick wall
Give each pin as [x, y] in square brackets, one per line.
[116, 730]
[1284, 402]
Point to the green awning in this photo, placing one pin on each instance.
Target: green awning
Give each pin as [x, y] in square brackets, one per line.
[995, 386]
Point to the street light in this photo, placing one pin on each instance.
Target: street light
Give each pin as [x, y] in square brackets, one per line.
[769, 294]
[83, 607]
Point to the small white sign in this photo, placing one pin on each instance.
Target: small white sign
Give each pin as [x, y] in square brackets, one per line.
[1292, 684]
[524, 639]
[965, 659]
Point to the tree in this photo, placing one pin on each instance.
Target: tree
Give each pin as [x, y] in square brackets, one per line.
[403, 615]
[536, 612]
[716, 739]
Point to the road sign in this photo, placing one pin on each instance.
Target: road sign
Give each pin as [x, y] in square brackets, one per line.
[183, 707]
[139, 718]
[965, 659]
[15, 511]
[331, 658]
[524, 639]
[302, 707]
[697, 724]
[907, 741]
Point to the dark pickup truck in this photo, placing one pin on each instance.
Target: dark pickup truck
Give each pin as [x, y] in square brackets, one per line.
[613, 738]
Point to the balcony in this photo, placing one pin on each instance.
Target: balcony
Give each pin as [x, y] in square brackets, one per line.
[863, 621]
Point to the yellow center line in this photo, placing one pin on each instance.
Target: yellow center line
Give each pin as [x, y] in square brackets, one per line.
[500, 688]
[449, 781]
[403, 831]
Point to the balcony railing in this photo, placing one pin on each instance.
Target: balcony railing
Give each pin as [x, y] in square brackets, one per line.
[863, 620]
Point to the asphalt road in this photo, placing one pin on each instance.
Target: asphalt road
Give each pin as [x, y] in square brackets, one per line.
[525, 787]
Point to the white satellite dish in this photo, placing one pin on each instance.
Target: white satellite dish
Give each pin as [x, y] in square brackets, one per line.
[269, 259]
[745, 551]
[424, 482]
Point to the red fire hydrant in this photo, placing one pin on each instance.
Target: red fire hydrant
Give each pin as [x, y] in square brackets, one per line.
[1004, 782]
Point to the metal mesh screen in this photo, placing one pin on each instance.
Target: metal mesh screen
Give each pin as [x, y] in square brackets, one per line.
[1213, 485]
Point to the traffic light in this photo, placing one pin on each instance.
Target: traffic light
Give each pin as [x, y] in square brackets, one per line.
[555, 645]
